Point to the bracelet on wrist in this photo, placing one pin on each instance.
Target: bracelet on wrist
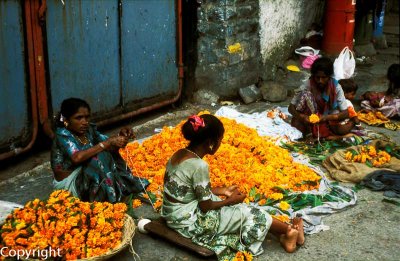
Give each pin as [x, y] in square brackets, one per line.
[102, 145]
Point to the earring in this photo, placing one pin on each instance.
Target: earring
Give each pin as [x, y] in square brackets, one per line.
[211, 147]
[65, 124]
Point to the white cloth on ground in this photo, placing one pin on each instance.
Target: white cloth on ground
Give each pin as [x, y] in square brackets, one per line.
[265, 126]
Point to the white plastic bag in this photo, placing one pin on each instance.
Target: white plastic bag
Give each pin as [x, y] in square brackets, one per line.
[344, 65]
[306, 51]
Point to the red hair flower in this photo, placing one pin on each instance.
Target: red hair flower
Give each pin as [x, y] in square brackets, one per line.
[196, 122]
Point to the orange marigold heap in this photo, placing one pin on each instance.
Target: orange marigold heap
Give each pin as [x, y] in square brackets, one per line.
[79, 229]
[369, 156]
[244, 159]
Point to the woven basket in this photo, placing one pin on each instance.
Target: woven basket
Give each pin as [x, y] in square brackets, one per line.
[128, 231]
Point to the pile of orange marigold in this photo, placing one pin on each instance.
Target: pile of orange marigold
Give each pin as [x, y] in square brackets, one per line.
[368, 155]
[78, 229]
[244, 158]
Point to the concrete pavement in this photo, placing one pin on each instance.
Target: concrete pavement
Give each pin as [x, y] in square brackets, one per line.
[367, 231]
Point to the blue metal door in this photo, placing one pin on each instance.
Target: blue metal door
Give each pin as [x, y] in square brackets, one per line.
[148, 43]
[112, 53]
[83, 52]
[14, 100]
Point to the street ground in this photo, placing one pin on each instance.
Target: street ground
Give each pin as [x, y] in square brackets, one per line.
[368, 231]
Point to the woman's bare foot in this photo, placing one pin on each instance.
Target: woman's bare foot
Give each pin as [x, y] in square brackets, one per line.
[288, 240]
[298, 224]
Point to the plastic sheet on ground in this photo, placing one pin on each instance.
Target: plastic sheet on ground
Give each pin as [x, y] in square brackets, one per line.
[6, 208]
[282, 131]
[264, 125]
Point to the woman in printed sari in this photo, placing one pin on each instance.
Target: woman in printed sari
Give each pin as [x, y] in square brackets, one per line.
[321, 95]
[192, 207]
[86, 162]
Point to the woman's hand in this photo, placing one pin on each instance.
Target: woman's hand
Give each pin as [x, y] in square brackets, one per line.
[323, 118]
[111, 143]
[230, 190]
[117, 141]
[236, 197]
[357, 123]
[387, 99]
[305, 118]
[127, 132]
[298, 115]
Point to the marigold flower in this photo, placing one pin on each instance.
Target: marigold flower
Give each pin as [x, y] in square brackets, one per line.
[136, 203]
[262, 202]
[243, 256]
[284, 205]
[20, 225]
[276, 196]
[314, 118]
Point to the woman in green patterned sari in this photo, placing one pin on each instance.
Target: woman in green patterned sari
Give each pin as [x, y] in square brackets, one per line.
[193, 208]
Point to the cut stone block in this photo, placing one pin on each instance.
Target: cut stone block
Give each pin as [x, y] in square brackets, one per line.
[250, 94]
[273, 92]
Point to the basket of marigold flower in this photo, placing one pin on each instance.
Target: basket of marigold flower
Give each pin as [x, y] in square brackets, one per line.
[63, 227]
[128, 231]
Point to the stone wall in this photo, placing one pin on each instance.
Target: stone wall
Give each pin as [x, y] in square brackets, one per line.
[242, 40]
[222, 24]
[282, 24]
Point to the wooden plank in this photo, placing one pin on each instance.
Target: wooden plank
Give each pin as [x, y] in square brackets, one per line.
[159, 228]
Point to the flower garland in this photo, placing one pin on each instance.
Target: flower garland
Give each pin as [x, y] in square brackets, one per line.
[79, 229]
[368, 155]
[261, 168]
[372, 118]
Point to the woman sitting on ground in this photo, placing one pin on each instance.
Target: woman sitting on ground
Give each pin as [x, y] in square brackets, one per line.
[86, 162]
[386, 102]
[321, 95]
[192, 207]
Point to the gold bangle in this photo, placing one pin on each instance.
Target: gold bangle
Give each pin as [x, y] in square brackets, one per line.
[102, 145]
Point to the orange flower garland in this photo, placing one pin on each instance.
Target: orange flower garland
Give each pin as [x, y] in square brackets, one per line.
[244, 158]
[78, 229]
